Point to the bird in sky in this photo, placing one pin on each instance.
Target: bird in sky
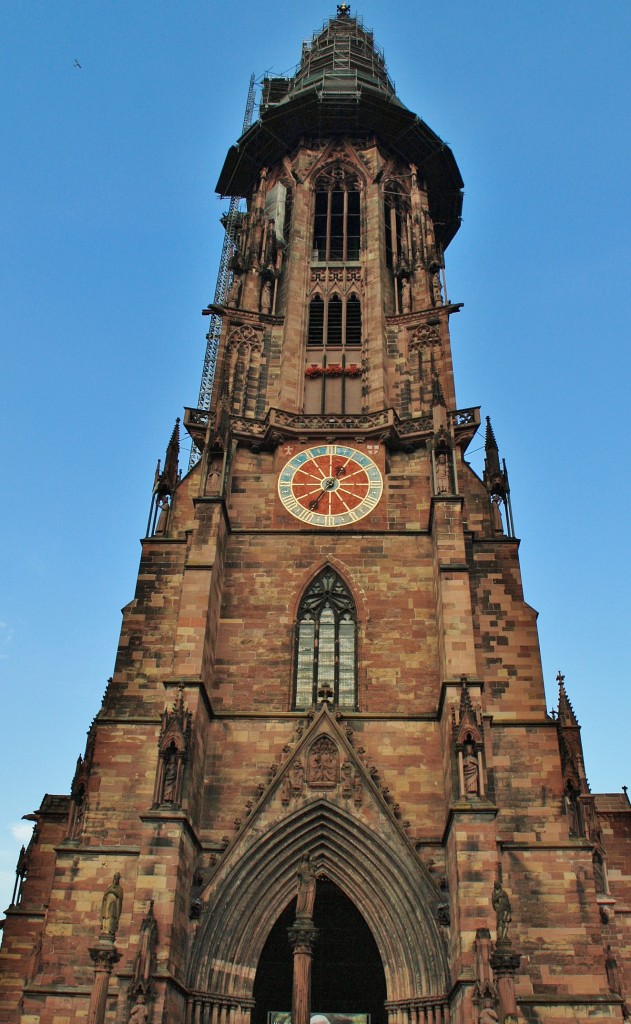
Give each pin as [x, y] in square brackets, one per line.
[76, 63]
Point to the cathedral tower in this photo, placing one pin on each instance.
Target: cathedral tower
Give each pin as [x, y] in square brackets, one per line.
[323, 778]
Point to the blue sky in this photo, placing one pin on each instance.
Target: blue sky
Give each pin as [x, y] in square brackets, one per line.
[111, 239]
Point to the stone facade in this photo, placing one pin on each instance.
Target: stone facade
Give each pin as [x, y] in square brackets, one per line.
[463, 870]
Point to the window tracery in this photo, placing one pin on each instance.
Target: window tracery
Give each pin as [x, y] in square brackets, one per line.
[336, 223]
[333, 372]
[334, 329]
[326, 638]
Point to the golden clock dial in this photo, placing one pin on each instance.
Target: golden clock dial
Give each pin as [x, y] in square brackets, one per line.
[330, 485]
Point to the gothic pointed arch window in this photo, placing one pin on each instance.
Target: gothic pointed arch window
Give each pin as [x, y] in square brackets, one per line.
[336, 223]
[333, 371]
[326, 643]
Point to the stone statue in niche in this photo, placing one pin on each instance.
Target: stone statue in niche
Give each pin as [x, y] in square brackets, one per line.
[347, 785]
[496, 514]
[77, 812]
[297, 778]
[572, 810]
[139, 1012]
[266, 296]
[613, 973]
[111, 907]
[213, 481]
[471, 771]
[599, 873]
[443, 476]
[169, 778]
[502, 908]
[234, 295]
[285, 791]
[306, 888]
[487, 1014]
[323, 764]
[406, 295]
[163, 516]
[357, 789]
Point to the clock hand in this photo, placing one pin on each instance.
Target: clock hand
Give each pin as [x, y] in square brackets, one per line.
[328, 485]
[314, 504]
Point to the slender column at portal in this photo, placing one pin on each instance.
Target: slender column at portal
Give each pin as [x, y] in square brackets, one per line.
[505, 964]
[302, 937]
[104, 956]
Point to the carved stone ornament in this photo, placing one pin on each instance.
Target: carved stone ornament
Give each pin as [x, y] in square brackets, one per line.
[424, 336]
[144, 962]
[443, 915]
[173, 747]
[79, 791]
[323, 764]
[303, 937]
[469, 744]
[104, 957]
[245, 334]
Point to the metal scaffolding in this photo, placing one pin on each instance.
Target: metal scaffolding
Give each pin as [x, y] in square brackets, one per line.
[224, 278]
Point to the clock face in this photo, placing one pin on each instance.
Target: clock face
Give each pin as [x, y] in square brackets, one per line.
[330, 485]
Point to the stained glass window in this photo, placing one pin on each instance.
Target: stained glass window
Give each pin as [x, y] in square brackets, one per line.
[326, 663]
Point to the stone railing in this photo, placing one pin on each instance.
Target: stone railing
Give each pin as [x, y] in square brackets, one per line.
[205, 1008]
[280, 425]
[424, 1010]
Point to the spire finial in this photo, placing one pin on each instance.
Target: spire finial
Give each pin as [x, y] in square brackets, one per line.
[495, 476]
[166, 481]
[343, 10]
[566, 716]
[489, 441]
[465, 696]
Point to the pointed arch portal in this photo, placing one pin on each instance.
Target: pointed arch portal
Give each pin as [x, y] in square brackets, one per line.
[347, 973]
[380, 877]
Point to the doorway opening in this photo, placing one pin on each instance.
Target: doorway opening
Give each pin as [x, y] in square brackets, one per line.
[347, 975]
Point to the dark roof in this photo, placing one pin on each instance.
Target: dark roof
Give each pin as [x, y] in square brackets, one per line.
[353, 99]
